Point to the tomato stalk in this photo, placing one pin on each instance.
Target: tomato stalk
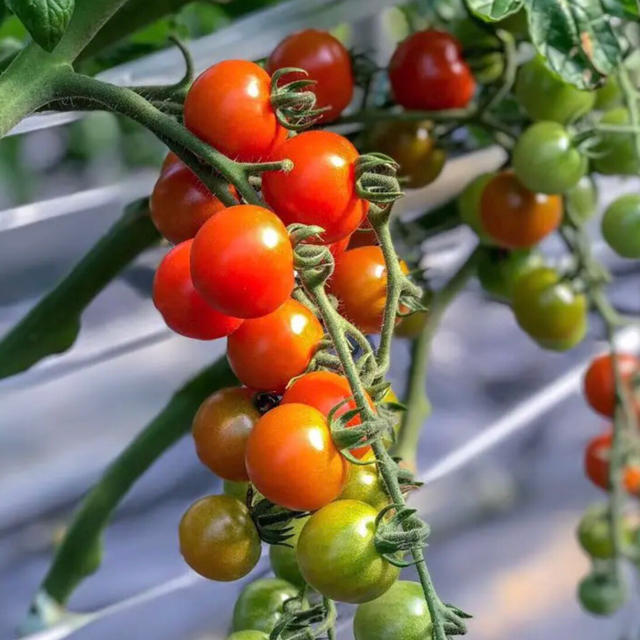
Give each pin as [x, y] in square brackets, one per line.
[630, 94]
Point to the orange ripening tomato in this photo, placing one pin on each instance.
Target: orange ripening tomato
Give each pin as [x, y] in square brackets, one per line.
[320, 189]
[325, 390]
[182, 307]
[180, 204]
[515, 217]
[229, 107]
[596, 465]
[359, 282]
[326, 61]
[220, 431]
[275, 348]
[599, 381]
[291, 458]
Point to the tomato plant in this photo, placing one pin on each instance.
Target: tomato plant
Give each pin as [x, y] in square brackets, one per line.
[364, 484]
[594, 532]
[602, 594]
[499, 269]
[621, 226]
[283, 557]
[259, 605]
[596, 465]
[615, 153]
[600, 384]
[469, 205]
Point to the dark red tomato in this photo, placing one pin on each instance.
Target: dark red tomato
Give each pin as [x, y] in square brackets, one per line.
[275, 348]
[325, 390]
[229, 106]
[596, 465]
[599, 381]
[363, 236]
[338, 248]
[182, 307]
[180, 204]
[320, 189]
[291, 458]
[427, 71]
[326, 61]
[242, 261]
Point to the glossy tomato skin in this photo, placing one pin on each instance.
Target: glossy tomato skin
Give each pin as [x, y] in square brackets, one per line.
[427, 71]
[242, 261]
[218, 539]
[549, 310]
[596, 465]
[275, 348]
[259, 605]
[326, 61]
[581, 200]
[325, 390]
[291, 458]
[229, 106]
[359, 282]
[283, 559]
[499, 269]
[516, 217]
[545, 160]
[469, 205]
[621, 226]
[220, 431]
[400, 613]
[320, 189]
[602, 595]
[594, 532]
[365, 485]
[545, 96]
[339, 247]
[182, 307]
[615, 154]
[599, 380]
[337, 555]
[180, 204]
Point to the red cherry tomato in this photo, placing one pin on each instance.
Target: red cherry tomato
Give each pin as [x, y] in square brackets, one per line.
[596, 465]
[180, 204]
[599, 381]
[325, 390]
[275, 348]
[320, 189]
[229, 106]
[242, 261]
[182, 307]
[364, 236]
[427, 71]
[338, 248]
[291, 458]
[326, 61]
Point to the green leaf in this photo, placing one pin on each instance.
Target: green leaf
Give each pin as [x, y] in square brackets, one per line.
[577, 39]
[54, 323]
[45, 20]
[493, 10]
[626, 9]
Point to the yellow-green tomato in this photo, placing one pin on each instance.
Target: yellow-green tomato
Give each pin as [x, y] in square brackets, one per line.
[594, 532]
[581, 201]
[615, 154]
[609, 94]
[549, 309]
[621, 226]
[337, 555]
[248, 634]
[364, 484]
[498, 269]
[469, 205]
[401, 613]
[283, 558]
[260, 604]
[602, 594]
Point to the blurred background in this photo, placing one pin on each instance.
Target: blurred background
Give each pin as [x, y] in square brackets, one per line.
[501, 454]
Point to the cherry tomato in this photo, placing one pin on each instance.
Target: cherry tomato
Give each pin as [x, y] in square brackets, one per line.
[469, 205]
[413, 147]
[400, 613]
[283, 559]
[320, 189]
[337, 555]
[359, 281]
[427, 71]
[248, 634]
[599, 381]
[545, 160]
[229, 106]
[182, 307]
[291, 458]
[325, 390]
[411, 326]
[220, 431]
[364, 484]
[621, 226]
[545, 96]
[499, 269]
[549, 310]
[259, 605]
[242, 261]
[514, 216]
[596, 465]
[602, 594]
[363, 236]
[326, 61]
[616, 153]
[180, 204]
[581, 200]
[218, 539]
[594, 532]
[275, 348]
[609, 94]
[338, 248]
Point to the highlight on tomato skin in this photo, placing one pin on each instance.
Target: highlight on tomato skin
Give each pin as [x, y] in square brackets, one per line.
[599, 381]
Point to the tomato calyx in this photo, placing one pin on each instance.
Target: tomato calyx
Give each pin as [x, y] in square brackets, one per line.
[305, 616]
[265, 401]
[402, 531]
[376, 178]
[272, 522]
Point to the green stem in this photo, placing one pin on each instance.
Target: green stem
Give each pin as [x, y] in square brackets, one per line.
[631, 102]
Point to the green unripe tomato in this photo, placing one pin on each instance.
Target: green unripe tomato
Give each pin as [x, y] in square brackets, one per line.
[545, 159]
[469, 205]
[615, 154]
[248, 634]
[399, 614]
[488, 67]
[283, 559]
[594, 532]
[609, 94]
[581, 201]
[546, 96]
[364, 484]
[549, 310]
[602, 594]
[259, 605]
[498, 269]
[235, 489]
[621, 226]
